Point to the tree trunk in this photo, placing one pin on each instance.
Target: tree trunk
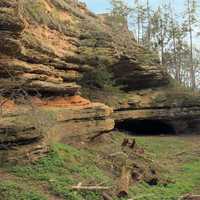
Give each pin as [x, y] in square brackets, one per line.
[124, 182]
[138, 30]
[162, 42]
[149, 25]
[192, 72]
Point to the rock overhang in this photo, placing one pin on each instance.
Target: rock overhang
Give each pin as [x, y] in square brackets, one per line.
[46, 47]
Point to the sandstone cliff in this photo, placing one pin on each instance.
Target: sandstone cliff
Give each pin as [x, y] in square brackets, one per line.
[47, 45]
[45, 48]
[27, 132]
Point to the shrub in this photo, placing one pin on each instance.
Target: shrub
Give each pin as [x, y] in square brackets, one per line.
[99, 78]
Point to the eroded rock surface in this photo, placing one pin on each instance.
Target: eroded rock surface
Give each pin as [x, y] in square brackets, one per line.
[46, 45]
[181, 110]
[27, 132]
[21, 140]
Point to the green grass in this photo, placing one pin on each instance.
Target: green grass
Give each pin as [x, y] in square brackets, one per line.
[183, 170]
[63, 167]
[66, 166]
[185, 181]
[10, 190]
[162, 147]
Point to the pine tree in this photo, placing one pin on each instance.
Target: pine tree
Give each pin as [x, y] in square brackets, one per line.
[140, 16]
[120, 10]
[191, 11]
[159, 30]
[149, 23]
[163, 31]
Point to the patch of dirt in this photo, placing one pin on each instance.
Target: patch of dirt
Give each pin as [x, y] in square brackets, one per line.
[6, 176]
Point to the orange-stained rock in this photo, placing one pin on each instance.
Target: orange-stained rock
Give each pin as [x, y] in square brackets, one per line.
[72, 101]
[6, 104]
[27, 131]
[68, 101]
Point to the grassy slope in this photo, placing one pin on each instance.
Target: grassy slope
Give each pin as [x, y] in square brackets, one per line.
[179, 156]
[51, 177]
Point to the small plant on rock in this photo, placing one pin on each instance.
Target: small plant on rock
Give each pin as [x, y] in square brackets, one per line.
[99, 78]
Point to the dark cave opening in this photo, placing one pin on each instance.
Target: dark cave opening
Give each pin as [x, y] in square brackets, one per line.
[146, 127]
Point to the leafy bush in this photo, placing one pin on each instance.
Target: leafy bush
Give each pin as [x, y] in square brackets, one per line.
[99, 78]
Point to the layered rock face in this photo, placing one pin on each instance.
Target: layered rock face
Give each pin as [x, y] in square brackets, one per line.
[81, 123]
[21, 136]
[42, 51]
[26, 132]
[46, 45]
[180, 110]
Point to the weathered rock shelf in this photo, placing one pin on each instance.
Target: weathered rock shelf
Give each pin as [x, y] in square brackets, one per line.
[45, 47]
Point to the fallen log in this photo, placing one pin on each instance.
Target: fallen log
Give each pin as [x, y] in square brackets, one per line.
[118, 153]
[91, 188]
[190, 197]
[124, 182]
[106, 196]
[144, 158]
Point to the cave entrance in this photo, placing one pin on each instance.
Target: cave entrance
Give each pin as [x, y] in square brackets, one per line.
[146, 127]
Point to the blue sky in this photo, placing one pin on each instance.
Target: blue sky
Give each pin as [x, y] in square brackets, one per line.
[101, 6]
